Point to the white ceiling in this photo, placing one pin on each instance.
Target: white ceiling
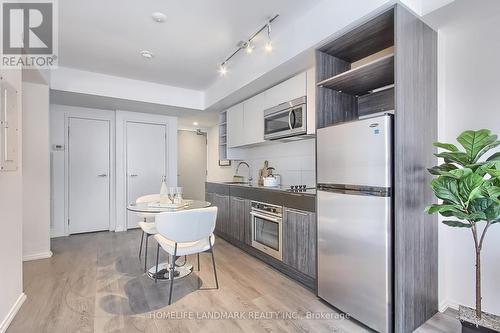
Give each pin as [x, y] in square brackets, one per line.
[107, 36]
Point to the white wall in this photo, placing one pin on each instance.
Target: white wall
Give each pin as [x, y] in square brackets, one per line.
[469, 82]
[294, 161]
[11, 275]
[85, 82]
[36, 172]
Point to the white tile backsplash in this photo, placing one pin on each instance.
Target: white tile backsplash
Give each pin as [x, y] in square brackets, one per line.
[294, 161]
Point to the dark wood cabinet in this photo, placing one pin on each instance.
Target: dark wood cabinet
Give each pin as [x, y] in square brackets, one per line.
[222, 203]
[299, 240]
[234, 225]
[239, 216]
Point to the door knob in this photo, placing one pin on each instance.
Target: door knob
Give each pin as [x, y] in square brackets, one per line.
[102, 175]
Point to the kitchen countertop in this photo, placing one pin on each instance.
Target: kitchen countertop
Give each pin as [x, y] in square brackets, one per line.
[273, 195]
[286, 189]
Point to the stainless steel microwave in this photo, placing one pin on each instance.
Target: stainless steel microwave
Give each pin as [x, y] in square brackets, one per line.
[286, 120]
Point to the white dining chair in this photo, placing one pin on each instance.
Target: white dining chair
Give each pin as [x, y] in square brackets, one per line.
[148, 228]
[182, 233]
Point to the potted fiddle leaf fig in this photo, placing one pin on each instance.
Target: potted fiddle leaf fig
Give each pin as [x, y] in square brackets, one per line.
[469, 189]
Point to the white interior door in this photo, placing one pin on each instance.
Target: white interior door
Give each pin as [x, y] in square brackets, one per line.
[89, 175]
[192, 164]
[146, 161]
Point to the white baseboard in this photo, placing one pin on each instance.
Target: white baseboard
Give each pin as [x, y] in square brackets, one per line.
[447, 303]
[12, 313]
[37, 256]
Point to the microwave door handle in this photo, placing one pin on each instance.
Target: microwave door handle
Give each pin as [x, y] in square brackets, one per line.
[290, 119]
[294, 122]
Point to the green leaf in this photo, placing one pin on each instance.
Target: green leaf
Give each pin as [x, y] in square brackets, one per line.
[456, 157]
[493, 192]
[494, 157]
[440, 169]
[487, 148]
[436, 208]
[475, 141]
[469, 186]
[479, 205]
[457, 224]
[493, 212]
[446, 188]
[447, 146]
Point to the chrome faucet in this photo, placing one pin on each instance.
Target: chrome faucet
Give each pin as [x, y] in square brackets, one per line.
[249, 170]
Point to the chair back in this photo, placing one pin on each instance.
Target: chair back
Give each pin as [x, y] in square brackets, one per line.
[186, 226]
[148, 198]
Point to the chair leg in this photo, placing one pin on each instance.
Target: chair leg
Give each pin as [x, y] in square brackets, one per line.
[146, 254]
[157, 258]
[198, 255]
[213, 262]
[140, 248]
[171, 274]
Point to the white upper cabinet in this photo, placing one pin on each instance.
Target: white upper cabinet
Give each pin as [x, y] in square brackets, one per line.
[254, 119]
[235, 126]
[245, 121]
[292, 88]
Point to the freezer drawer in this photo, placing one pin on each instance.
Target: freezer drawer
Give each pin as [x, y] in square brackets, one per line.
[356, 153]
[354, 256]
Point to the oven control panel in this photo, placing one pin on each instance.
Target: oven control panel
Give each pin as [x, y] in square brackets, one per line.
[267, 208]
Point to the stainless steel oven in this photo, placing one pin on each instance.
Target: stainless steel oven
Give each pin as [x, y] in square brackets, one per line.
[267, 231]
[286, 120]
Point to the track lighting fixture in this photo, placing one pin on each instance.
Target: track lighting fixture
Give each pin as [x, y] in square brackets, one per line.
[223, 69]
[248, 45]
[269, 43]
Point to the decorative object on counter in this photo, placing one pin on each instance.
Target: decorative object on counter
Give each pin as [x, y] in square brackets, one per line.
[272, 180]
[470, 191]
[299, 188]
[224, 162]
[163, 190]
[264, 172]
[238, 178]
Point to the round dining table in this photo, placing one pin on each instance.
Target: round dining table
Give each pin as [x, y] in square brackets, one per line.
[182, 268]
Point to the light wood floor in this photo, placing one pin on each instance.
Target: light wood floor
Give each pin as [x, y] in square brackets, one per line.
[94, 283]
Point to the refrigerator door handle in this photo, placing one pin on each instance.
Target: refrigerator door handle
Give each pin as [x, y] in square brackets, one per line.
[356, 189]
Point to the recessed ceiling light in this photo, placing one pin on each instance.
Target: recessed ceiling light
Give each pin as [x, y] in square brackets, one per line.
[147, 54]
[159, 17]
[195, 123]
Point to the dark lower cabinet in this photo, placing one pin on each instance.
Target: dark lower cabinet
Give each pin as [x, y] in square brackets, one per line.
[299, 240]
[239, 215]
[223, 218]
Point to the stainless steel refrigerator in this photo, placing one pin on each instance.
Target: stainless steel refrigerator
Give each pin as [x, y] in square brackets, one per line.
[354, 162]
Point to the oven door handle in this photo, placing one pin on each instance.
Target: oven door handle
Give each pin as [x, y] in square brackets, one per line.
[267, 217]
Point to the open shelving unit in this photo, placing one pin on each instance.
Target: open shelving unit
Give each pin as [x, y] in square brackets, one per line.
[389, 63]
[222, 136]
[361, 80]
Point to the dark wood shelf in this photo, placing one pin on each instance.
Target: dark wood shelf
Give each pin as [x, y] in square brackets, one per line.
[361, 80]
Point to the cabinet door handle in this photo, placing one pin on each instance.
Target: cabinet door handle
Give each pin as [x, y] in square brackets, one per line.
[297, 212]
[238, 199]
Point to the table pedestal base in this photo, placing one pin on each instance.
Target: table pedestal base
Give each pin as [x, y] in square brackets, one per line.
[179, 272]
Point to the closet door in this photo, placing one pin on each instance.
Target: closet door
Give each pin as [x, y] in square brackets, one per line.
[89, 175]
[146, 151]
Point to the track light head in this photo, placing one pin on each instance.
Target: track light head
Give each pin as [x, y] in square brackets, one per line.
[223, 69]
